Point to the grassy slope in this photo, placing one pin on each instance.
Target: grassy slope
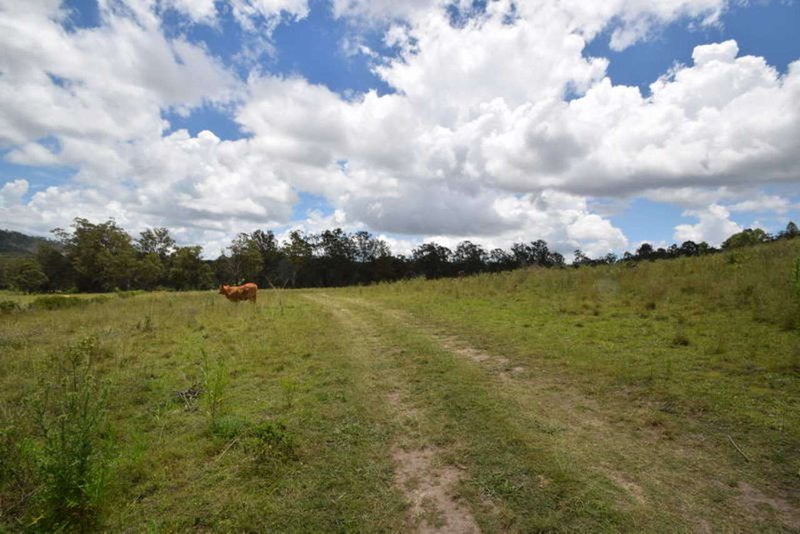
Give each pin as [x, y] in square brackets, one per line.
[589, 400]
[692, 350]
[285, 364]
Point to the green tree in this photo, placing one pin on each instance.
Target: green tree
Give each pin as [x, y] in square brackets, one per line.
[271, 257]
[337, 255]
[469, 258]
[188, 270]
[102, 255]
[246, 260]
[432, 260]
[746, 237]
[791, 231]
[150, 271]
[27, 276]
[156, 241]
[56, 266]
[299, 254]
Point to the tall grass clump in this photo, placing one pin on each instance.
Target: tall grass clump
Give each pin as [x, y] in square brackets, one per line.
[71, 428]
[59, 302]
[8, 306]
[17, 469]
[215, 381]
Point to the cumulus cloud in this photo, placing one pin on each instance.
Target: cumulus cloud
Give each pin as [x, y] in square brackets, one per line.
[199, 11]
[499, 130]
[764, 204]
[107, 82]
[714, 226]
[11, 192]
[33, 154]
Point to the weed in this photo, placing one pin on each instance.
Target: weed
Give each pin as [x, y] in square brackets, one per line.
[59, 302]
[229, 427]
[128, 294]
[270, 442]
[215, 380]
[70, 417]
[796, 278]
[719, 344]
[146, 324]
[17, 467]
[289, 388]
[8, 306]
[189, 397]
[56, 302]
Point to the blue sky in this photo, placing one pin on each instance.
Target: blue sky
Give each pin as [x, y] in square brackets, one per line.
[285, 90]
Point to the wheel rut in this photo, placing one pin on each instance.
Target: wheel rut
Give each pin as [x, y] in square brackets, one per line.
[585, 425]
[429, 485]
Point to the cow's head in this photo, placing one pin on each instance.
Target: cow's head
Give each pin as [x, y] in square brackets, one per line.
[223, 289]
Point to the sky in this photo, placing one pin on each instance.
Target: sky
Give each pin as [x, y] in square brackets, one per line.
[591, 125]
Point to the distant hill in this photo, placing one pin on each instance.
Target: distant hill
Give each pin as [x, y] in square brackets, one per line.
[18, 244]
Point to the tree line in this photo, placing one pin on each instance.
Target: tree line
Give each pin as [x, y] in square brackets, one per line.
[102, 257]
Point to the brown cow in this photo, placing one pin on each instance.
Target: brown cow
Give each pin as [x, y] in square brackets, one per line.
[238, 293]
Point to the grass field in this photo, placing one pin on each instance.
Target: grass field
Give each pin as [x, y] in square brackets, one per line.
[663, 397]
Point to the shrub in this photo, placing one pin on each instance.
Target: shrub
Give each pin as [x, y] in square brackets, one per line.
[272, 442]
[17, 469]
[8, 306]
[57, 302]
[128, 294]
[680, 340]
[70, 417]
[146, 324]
[229, 427]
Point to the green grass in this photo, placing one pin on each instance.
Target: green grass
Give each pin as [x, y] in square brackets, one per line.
[173, 468]
[598, 399]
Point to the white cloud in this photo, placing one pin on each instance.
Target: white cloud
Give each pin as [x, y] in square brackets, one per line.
[379, 11]
[107, 82]
[32, 154]
[269, 8]
[478, 142]
[764, 204]
[714, 226]
[11, 193]
[199, 11]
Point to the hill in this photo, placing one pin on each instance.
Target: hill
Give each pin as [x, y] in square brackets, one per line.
[19, 244]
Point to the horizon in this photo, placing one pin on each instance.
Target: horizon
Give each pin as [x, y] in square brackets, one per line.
[657, 248]
[598, 128]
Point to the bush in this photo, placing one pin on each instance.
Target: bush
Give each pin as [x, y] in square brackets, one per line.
[8, 306]
[272, 442]
[229, 427]
[57, 302]
[17, 469]
[70, 418]
[128, 294]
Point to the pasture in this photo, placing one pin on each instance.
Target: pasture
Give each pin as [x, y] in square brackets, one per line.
[659, 397]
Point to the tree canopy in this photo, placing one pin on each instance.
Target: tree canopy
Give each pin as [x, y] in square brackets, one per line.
[104, 257]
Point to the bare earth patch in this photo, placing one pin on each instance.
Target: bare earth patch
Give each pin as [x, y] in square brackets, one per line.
[431, 490]
[633, 489]
[580, 423]
[755, 501]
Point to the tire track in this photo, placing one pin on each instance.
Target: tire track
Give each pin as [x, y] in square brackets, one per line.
[620, 451]
[430, 486]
